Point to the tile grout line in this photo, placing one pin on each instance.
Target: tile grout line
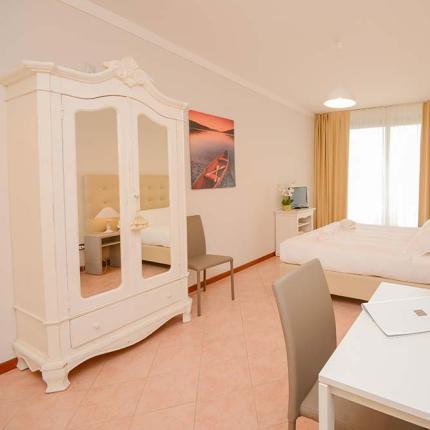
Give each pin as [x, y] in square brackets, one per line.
[247, 359]
[85, 395]
[18, 401]
[164, 409]
[12, 417]
[92, 385]
[159, 347]
[198, 376]
[253, 386]
[144, 385]
[252, 286]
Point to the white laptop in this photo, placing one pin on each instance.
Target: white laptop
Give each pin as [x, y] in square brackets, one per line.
[401, 316]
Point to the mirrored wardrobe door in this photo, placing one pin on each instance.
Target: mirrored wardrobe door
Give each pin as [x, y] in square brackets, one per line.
[98, 192]
[95, 189]
[154, 196]
[154, 209]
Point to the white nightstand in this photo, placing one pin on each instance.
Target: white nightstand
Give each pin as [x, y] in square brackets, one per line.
[292, 223]
[94, 245]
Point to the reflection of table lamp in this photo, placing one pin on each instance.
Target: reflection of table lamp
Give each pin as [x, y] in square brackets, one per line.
[108, 213]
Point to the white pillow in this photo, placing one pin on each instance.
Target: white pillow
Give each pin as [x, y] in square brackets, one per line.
[157, 217]
[420, 243]
[327, 232]
[348, 224]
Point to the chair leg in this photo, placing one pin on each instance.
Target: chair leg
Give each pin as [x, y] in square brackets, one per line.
[199, 304]
[232, 279]
[204, 280]
[291, 425]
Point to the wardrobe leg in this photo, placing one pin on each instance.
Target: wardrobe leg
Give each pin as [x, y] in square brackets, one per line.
[199, 304]
[21, 364]
[232, 279]
[186, 316]
[56, 379]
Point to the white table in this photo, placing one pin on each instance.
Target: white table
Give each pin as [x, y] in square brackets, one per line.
[389, 374]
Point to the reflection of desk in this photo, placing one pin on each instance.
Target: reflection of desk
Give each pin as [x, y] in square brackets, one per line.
[95, 243]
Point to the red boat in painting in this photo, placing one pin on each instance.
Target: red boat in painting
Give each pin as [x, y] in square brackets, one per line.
[214, 173]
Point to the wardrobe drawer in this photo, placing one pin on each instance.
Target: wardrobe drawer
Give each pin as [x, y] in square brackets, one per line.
[112, 317]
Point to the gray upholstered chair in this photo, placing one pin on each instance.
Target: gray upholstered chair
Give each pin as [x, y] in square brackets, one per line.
[199, 260]
[307, 317]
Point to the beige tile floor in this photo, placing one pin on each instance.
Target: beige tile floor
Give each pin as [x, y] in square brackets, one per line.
[224, 370]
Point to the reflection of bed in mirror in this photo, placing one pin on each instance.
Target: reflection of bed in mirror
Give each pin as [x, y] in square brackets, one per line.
[102, 190]
[156, 236]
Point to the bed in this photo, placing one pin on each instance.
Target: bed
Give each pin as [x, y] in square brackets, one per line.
[102, 190]
[156, 237]
[358, 257]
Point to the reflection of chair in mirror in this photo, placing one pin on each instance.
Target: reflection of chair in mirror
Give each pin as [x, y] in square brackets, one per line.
[198, 260]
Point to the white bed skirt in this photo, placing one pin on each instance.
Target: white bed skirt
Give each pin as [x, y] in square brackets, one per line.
[353, 286]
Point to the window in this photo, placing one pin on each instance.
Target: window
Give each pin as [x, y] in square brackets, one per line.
[384, 164]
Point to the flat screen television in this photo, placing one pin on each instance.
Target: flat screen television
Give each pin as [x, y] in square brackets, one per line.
[300, 198]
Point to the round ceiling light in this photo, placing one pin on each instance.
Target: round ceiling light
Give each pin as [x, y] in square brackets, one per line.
[340, 103]
[340, 98]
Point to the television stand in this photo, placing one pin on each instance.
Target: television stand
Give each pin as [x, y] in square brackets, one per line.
[292, 223]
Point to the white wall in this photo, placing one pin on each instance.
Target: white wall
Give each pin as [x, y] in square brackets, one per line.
[273, 143]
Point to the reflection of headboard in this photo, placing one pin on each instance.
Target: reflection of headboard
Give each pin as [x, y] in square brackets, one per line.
[102, 190]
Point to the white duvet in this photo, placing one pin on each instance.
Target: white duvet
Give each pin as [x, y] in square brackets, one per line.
[361, 249]
[158, 230]
[159, 236]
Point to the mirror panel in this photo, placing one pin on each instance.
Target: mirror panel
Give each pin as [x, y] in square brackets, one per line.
[154, 197]
[98, 201]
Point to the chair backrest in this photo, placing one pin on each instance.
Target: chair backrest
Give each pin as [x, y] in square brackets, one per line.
[307, 317]
[195, 236]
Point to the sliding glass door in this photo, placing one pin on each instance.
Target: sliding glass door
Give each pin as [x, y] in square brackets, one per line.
[384, 162]
[403, 175]
[366, 175]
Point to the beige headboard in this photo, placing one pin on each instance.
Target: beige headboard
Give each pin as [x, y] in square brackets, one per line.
[99, 191]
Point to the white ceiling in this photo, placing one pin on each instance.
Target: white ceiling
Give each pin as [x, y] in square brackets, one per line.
[289, 46]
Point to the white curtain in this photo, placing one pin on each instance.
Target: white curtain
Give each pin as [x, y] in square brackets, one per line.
[384, 163]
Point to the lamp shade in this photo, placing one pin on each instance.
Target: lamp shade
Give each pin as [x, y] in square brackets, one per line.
[108, 213]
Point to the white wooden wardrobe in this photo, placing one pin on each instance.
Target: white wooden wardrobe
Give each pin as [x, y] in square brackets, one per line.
[57, 327]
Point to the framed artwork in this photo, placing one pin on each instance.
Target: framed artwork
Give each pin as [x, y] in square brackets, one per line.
[211, 151]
